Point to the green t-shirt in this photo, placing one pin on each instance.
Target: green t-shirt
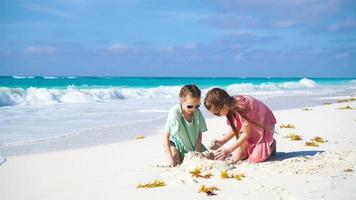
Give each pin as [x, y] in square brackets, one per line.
[185, 134]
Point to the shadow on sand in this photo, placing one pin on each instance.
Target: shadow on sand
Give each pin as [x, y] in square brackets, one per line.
[286, 155]
[2, 160]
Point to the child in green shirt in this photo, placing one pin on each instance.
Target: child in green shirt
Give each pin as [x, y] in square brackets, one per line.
[184, 126]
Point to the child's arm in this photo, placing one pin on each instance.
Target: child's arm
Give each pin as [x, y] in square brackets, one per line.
[168, 149]
[223, 153]
[228, 136]
[198, 144]
[217, 143]
[245, 133]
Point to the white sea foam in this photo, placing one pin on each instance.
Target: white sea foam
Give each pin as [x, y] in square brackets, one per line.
[50, 77]
[303, 83]
[45, 96]
[73, 94]
[22, 77]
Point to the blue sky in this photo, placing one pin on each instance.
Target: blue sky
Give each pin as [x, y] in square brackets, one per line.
[252, 38]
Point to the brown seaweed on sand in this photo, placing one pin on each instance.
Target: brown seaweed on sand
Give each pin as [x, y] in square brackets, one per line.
[348, 170]
[311, 144]
[346, 108]
[197, 173]
[318, 139]
[208, 190]
[140, 137]
[225, 175]
[294, 137]
[346, 100]
[155, 183]
[286, 126]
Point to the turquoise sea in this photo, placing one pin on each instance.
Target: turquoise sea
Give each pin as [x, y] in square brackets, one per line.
[31, 90]
[39, 114]
[148, 82]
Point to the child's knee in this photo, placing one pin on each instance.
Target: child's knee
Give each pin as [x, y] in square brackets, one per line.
[239, 157]
[239, 154]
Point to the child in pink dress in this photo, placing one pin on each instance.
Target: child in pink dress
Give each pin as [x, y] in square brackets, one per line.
[251, 122]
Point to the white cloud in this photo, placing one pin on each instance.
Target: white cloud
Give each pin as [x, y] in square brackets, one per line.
[238, 14]
[284, 23]
[40, 50]
[185, 15]
[238, 58]
[21, 24]
[46, 10]
[167, 49]
[346, 24]
[119, 48]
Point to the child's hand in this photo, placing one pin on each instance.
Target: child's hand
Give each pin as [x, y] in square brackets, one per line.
[221, 154]
[172, 163]
[215, 144]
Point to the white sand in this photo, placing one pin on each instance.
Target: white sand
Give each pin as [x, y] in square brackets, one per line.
[113, 171]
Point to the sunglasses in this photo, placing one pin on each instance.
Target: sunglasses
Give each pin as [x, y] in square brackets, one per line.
[191, 106]
[216, 113]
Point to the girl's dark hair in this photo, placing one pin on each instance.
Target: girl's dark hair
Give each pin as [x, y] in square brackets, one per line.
[191, 90]
[217, 98]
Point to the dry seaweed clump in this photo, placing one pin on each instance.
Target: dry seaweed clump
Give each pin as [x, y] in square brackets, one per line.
[311, 144]
[315, 141]
[307, 109]
[327, 103]
[210, 191]
[348, 170]
[197, 173]
[318, 139]
[294, 137]
[140, 137]
[155, 183]
[286, 126]
[225, 175]
[346, 100]
[346, 108]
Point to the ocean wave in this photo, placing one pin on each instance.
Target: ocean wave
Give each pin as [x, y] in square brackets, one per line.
[22, 77]
[72, 94]
[50, 77]
[44, 77]
[45, 96]
[246, 87]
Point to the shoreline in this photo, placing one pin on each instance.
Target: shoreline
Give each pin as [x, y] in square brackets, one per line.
[75, 140]
[114, 170]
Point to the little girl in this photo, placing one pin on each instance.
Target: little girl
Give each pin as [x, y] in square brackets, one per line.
[251, 121]
[184, 126]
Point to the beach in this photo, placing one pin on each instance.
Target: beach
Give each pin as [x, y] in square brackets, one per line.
[113, 171]
[95, 94]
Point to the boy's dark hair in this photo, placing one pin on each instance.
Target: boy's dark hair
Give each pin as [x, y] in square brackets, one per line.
[191, 90]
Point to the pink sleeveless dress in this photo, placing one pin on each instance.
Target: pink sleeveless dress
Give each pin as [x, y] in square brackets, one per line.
[261, 135]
